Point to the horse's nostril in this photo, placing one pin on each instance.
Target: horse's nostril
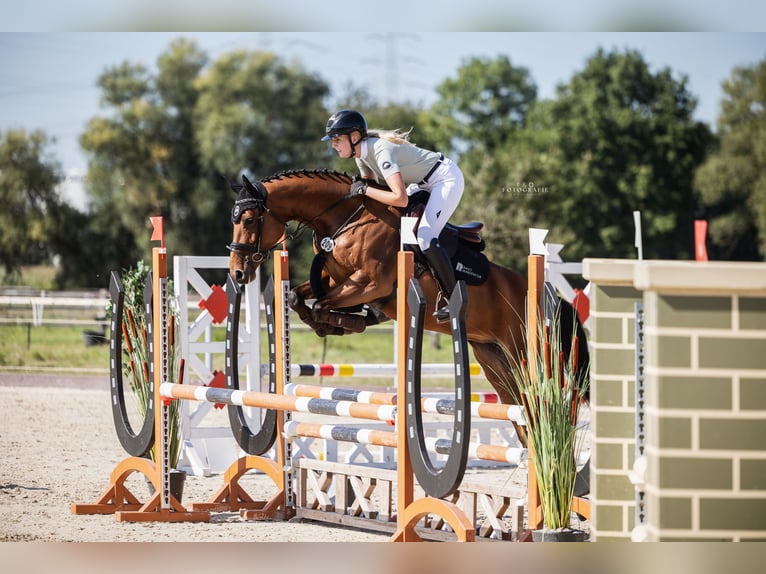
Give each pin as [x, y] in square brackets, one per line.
[239, 275]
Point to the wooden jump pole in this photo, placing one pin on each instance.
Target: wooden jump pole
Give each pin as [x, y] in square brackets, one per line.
[535, 286]
[409, 510]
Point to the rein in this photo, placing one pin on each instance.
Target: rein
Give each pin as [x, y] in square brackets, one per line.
[253, 252]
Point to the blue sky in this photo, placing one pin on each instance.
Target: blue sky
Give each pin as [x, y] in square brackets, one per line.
[48, 80]
[403, 15]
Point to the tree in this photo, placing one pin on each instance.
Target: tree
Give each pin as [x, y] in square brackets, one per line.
[732, 182]
[28, 180]
[143, 160]
[483, 106]
[168, 139]
[617, 138]
[258, 114]
[88, 247]
[622, 139]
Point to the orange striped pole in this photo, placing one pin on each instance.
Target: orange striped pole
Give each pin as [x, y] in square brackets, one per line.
[535, 284]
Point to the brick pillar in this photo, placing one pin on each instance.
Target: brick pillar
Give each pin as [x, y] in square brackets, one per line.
[613, 360]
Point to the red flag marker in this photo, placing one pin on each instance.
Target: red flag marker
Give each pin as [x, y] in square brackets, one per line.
[158, 230]
[700, 237]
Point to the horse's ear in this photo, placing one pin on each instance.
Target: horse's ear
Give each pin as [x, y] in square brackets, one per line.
[235, 187]
[257, 191]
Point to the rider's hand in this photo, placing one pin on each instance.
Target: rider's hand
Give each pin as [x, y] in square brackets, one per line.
[358, 188]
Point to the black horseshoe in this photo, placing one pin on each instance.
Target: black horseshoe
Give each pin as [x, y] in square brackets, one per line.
[441, 482]
[261, 441]
[135, 444]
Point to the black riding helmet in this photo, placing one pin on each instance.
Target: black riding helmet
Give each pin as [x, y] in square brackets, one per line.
[345, 122]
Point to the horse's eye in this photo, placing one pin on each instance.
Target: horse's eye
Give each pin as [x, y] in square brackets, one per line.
[249, 221]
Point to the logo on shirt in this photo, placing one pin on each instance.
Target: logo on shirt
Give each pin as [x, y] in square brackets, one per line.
[386, 164]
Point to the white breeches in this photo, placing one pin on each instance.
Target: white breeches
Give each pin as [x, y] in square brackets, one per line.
[446, 188]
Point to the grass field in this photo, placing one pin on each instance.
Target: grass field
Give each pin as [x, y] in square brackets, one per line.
[26, 348]
[61, 348]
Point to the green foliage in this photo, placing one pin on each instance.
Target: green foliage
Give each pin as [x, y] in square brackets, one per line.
[168, 138]
[28, 180]
[622, 139]
[551, 397]
[87, 247]
[617, 138]
[732, 181]
[257, 113]
[483, 106]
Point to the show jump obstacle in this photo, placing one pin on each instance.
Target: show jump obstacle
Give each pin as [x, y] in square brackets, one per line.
[277, 427]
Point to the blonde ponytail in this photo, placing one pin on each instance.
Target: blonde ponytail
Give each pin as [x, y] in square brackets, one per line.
[394, 136]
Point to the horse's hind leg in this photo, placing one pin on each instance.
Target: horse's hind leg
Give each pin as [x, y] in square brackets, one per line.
[496, 362]
[497, 368]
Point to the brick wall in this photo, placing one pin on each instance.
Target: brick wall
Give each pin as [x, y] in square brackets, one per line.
[705, 377]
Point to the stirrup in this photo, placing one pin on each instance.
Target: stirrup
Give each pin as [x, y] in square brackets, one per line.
[442, 313]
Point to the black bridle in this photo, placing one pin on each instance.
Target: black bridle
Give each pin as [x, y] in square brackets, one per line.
[252, 197]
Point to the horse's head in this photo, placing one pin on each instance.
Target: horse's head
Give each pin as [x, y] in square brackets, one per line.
[257, 230]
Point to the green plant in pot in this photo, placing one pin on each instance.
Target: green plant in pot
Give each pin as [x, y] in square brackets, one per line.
[551, 394]
[136, 362]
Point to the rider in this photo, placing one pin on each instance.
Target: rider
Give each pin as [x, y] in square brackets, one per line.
[388, 155]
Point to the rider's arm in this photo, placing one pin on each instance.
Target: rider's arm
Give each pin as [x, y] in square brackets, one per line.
[396, 197]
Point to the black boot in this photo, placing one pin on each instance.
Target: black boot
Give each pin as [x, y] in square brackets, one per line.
[444, 272]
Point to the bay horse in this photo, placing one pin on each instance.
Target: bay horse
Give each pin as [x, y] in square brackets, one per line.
[357, 240]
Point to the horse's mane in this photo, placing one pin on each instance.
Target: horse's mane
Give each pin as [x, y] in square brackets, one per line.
[326, 174]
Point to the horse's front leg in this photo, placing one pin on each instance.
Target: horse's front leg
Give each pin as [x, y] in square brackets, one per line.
[359, 289]
[297, 302]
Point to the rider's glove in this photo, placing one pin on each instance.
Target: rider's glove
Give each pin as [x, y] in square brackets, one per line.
[358, 188]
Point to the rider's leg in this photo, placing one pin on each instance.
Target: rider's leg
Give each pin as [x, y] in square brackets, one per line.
[446, 189]
[444, 273]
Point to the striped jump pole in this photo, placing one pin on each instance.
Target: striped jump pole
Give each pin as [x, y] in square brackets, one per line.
[279, 402]
[480, 451]
[374, 370]
[435, 405]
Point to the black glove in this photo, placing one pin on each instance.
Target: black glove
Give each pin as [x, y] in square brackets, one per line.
[358, 188]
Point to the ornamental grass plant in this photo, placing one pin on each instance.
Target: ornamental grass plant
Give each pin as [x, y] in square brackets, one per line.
[135, 353]
[551, 394]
